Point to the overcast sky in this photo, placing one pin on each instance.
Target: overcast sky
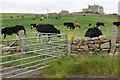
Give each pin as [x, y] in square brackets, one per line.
[40, 6]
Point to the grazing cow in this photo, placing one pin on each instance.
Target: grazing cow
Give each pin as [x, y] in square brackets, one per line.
[116, 23]
[12, 30]
[90, 24]
[22, 16]
[93, 32]
[69, 24]
[77, 25]
[84, 15]
[46, 28]
[36, 16]
[11, 16]
[57, 18]
[33, 18]
[98, 24]
[17, 16]
[40, 19]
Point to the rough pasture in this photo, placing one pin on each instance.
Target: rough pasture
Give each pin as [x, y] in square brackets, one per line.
[83, 20]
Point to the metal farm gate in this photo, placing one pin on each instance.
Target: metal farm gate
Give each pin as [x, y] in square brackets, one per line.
[30, 54]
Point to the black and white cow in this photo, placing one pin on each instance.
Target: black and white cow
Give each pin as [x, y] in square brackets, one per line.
[116, 23]
[12, 30]
[45, 28]
[98, 24]
[90, 24]
[69, 24]
[93, 32]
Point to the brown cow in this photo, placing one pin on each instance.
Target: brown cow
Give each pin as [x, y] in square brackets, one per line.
[33, 18]
[77, 25]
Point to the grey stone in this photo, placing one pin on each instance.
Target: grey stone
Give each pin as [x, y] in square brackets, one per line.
[94, 46]
[97, 45]
[81, 50]
[104, 41]
[75, 52]
[116, 53]
[117, 45]
[77, 40]
[75, 43]
[98, 41]
[89, 42]
[95, 38]
[86, 39]
[105, 45]
[103, 37]
[105, 50]
[74, 47]
[90, 52]
[84, 46]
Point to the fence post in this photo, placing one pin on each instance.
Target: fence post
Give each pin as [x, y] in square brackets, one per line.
[70, 39]
[113, 39]
[22, 35]
[66, 45]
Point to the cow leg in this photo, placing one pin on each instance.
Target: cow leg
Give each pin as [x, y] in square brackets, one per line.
[67, 27]
[49, 38]
[4, 35]
[41, 37]
[70, 27]
[17, 36]
[74, 28]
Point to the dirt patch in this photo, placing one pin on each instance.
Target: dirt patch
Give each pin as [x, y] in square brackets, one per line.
[34, 74]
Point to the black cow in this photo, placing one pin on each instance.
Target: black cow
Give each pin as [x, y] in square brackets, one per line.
[93, 32]
[12, 30]
[69, 24]
[11, 16]
[116, 23]
[90, 24]
[57, 18]
[45, 28]
[98, 24]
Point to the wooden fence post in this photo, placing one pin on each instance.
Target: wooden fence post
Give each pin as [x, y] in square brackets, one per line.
[70, 39]
[113, 39]
[22, 35]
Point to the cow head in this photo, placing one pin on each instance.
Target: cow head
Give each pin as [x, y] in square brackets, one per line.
[33, 26]
[90, 24]
[103, 24]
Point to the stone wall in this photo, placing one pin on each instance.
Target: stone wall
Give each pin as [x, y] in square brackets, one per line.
[89, 45]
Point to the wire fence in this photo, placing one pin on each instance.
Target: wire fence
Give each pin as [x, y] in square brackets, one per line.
[32, 54]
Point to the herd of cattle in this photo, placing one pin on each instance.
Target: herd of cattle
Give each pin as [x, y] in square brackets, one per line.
[49, 28]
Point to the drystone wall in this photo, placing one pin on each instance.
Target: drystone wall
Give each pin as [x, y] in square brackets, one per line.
[89, 45]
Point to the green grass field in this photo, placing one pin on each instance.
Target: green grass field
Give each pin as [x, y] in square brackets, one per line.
[83, 20]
